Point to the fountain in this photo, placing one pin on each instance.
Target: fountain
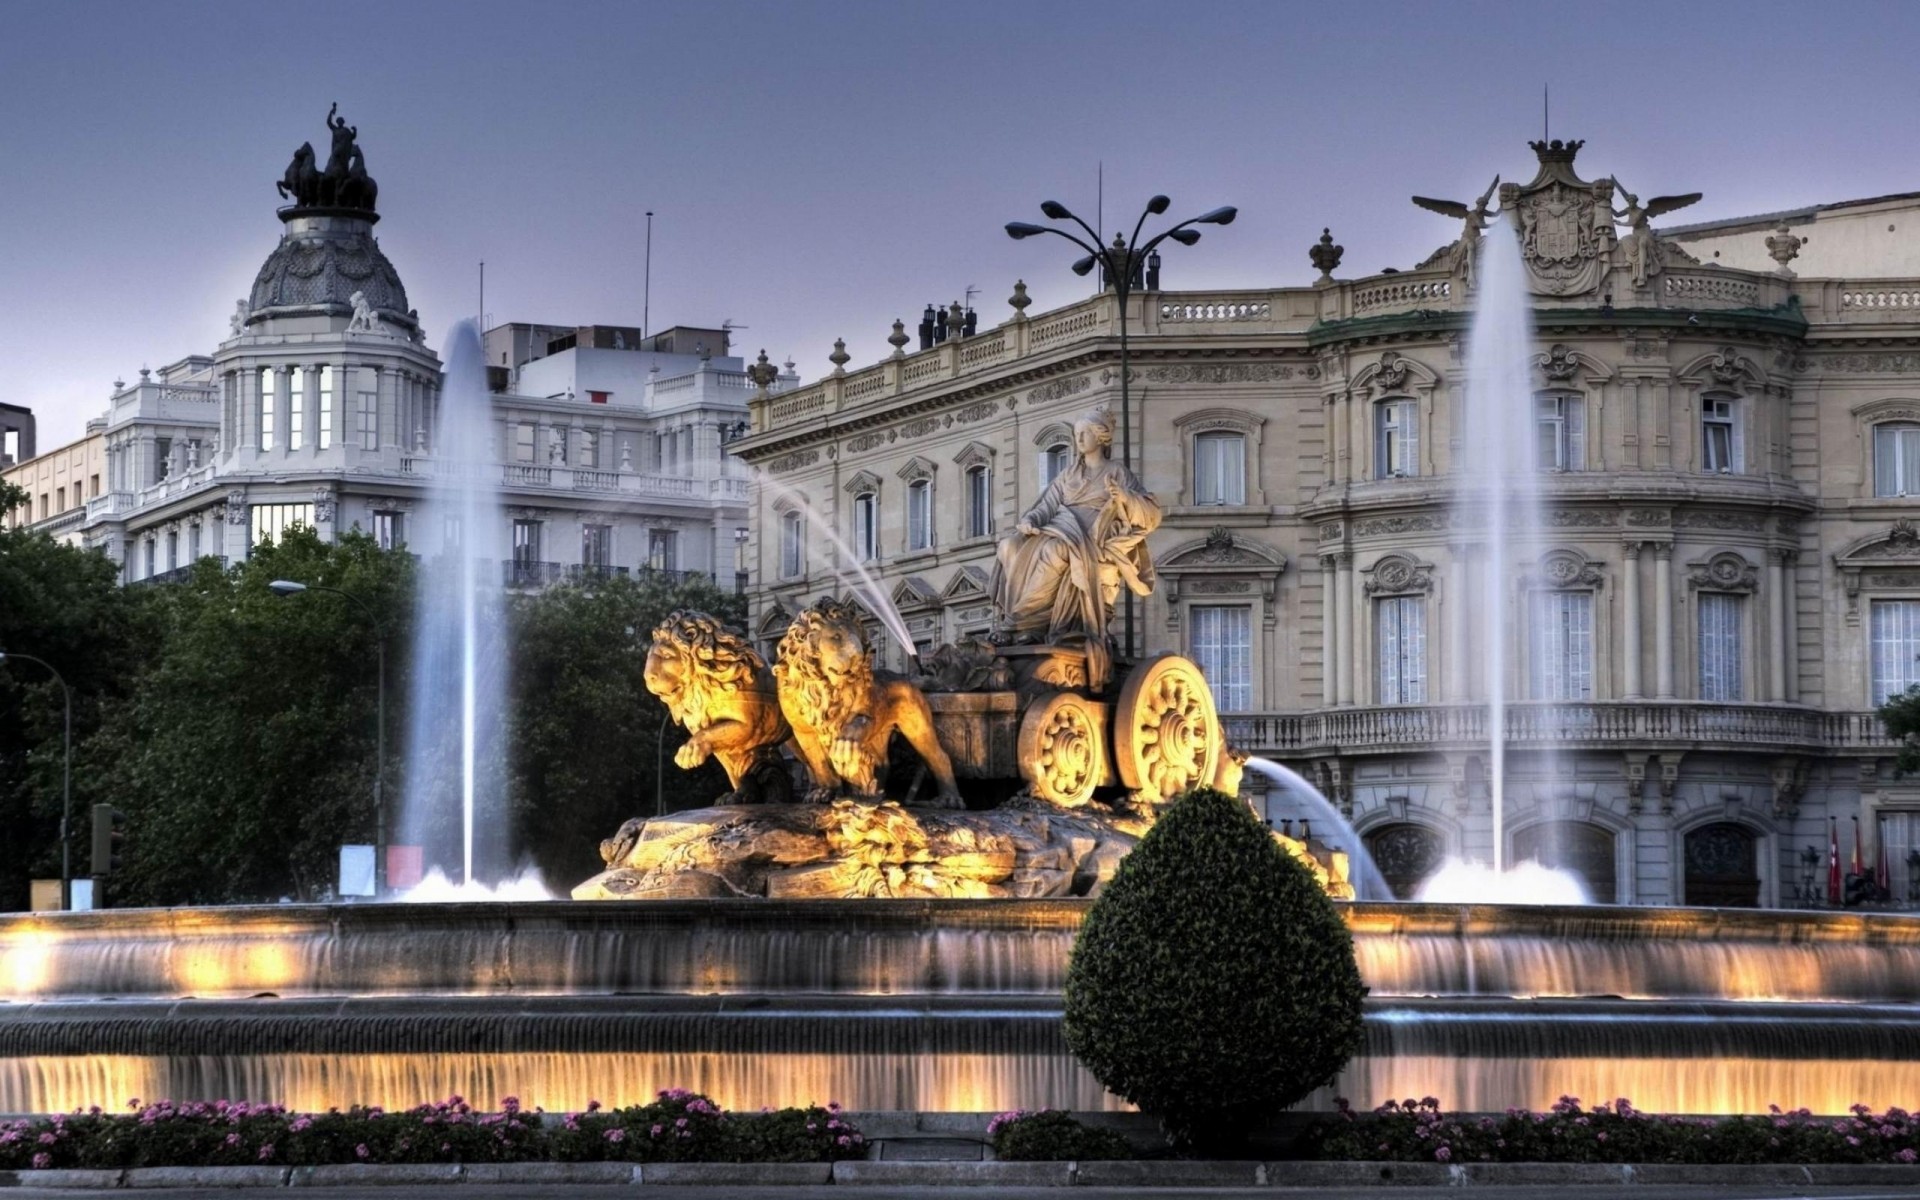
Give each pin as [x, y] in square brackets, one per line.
[454, 750]
[1368, 882]
[863, 583]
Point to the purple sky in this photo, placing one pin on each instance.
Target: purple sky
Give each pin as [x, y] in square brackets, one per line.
[819, 169]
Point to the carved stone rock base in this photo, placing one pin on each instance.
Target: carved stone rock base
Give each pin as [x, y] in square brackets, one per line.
[853, 849]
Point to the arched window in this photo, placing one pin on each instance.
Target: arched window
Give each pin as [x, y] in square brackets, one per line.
[1053, 460]
[1577, 846]
[979, 500]
[1396, 425]
[1722, 869]
[1896, 458]
[1406, 854]
[866, 526]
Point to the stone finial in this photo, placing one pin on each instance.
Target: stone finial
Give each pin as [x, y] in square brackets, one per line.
[898, 339]
[1020, 300]
[956, 320]
[1325, 257]
[1784, 247]
[762, 374]
[839, 358]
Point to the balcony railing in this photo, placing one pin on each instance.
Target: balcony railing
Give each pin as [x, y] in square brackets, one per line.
[1599, 725]
[579, 479]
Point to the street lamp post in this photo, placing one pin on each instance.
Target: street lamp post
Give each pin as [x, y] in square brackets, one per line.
[66, 777]
[287, 587]
[1123, 263]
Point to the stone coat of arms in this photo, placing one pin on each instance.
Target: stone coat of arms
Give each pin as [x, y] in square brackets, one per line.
[1565, 223]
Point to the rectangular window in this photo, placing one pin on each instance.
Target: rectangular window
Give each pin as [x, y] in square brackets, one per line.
[663, 549]
[526, 543]
[60, 498]
[153, 558]
[523, 442]
[1219, 468]
[594, 397]
[1400, 633]
[1561, 663]
[1896, 647]
[1896, 459]
[590, 449]
[324, 435]
[193, 542]
[1720, 646]
[920, 514]
[1720, 436]
[596, 546]
[389, 530]
[1222, 637]
[790, 545]
[173, 549]
[93, 485]
[1397, 449]
[451, 535]
[266, 408]
[367, 422]
[866, 526]
[271, 521]
[296, 408]
[979, 501]
[1053, 460]
[162, 458]
[1559, 433]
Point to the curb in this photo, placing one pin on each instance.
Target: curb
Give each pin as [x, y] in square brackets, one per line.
[902, 1174]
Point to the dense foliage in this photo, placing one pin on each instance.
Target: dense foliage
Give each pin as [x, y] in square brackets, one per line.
[1051, 1135]
[1213, 983]
[679, 1126]
[1901, 715]
[1417, 1131]
[235, 727]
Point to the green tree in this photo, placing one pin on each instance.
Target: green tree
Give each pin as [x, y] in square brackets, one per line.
[244, 756]
[1901, 715]
[62, 604]
[1213, 983]
[586, 735]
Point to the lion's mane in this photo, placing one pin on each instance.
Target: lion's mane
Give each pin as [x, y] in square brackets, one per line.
[718, 661]
[822, 702]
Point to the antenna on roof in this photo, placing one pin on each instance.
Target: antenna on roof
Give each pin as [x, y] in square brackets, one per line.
[646, 287]
[1546, 112]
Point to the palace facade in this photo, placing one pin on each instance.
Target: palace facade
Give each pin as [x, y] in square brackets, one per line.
[1727, 584]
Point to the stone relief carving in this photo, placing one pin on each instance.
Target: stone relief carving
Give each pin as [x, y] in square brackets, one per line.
[920, 428]
[1392, 373]
[1219, 587]
[1727, 367]
[1218, 373]
[865, 442]
[1726, 572]
[793, 461]
[236, 507]
[1397, 573]
[1643, 518]
[1569, 568]
[1415, 523]
[1869, 363]
[1564, 222]
[1560, 364]
[976, 412]
[323, 503]
[1744, 522]
[1580, 518]
[1059, 389]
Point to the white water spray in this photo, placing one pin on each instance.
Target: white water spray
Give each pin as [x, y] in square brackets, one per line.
[1368, 882]
[864, 584]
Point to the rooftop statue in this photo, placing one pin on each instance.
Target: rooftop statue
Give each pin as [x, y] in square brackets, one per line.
[1057, 576]
[1461, 254]
[1643, 250]
[343, 184]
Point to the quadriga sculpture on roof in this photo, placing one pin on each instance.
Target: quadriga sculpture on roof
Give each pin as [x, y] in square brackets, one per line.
[1027, 766]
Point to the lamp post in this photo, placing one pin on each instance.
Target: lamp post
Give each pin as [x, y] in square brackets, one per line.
[287, 587]
[1123, 263]
[66, 776]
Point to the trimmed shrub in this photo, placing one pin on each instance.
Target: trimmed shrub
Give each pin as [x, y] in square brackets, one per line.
[1052, 1136]
[1213, 983]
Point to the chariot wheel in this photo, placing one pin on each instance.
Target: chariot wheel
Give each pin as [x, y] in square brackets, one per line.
[1063, 749]
[1166, 733]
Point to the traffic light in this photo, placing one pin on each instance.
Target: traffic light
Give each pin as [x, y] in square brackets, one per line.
[109, 836]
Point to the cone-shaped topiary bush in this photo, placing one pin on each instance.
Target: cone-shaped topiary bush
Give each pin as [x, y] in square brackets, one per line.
[1213, 983]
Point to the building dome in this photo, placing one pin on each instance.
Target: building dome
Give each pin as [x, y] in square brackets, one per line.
[323, 259]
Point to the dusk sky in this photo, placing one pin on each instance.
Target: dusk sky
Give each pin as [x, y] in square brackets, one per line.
[819, 169]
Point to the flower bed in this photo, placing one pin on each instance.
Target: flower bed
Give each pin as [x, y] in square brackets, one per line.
[1418, 1131]
[1050, 1135]
[679, 1126]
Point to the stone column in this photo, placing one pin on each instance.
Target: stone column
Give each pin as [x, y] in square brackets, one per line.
[1329, 632]
[1780, 607]
[1457, 670]
[1663, 620]
[1347, 616]
[1630, 591]
[282, 408]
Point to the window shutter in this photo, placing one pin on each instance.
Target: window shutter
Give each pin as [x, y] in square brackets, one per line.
[1885, 474]
[1233, 469]
[1909, 439]
[1206, 485]
[1738, 411]
[1409, 438]
[1576, 432]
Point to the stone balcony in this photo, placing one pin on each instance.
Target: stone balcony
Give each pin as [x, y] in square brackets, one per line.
[730, 486]
[1599, 725]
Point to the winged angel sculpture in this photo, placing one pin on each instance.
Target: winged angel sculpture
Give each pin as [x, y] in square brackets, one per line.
[1463, 253]
[1643, 253]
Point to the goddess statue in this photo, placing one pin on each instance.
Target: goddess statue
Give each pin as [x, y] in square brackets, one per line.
[1056, 578]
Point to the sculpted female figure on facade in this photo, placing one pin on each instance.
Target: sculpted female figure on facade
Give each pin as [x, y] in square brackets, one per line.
[1057, 576]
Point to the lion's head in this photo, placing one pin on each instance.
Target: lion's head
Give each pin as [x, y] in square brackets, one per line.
[694, 660]
[825, 663]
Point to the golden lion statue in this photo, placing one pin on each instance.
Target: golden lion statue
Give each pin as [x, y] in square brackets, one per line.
[717, 688]
[843, 714]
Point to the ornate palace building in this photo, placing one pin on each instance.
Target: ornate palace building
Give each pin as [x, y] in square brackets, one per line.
[1727, 584]
[319, 407]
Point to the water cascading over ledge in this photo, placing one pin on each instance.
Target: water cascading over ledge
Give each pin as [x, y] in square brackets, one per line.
[932, 1005]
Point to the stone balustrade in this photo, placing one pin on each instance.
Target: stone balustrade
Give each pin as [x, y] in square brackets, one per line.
[582, 479]
[1584, 726]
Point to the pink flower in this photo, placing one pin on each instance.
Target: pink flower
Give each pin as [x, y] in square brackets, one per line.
[616, 1135]
[233, 1139]
[1443, 1154]
[844, 1140]
[656, 1131]
[46, 1139]
[266, 1152]
[42, 1161]
[593, 1106]
[361, 1151]
[680, 1124]
[1906, 1156]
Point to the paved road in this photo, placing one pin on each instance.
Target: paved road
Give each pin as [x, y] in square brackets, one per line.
[846, 1192]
